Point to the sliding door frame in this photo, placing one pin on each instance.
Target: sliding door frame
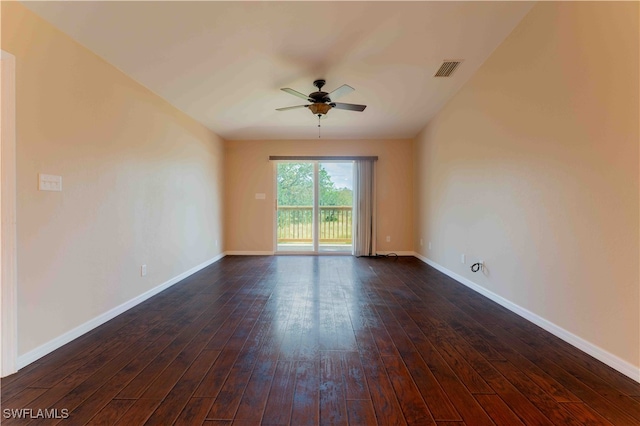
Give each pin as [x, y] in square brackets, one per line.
[316, 205]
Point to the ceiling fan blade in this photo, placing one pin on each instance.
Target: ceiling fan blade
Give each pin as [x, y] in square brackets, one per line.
[349, 107]
[296, 93]
[292, 107]
[341, 91]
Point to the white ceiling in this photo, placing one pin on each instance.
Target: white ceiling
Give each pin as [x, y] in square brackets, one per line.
[223, 63]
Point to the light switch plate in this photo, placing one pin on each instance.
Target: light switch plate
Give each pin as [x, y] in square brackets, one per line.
[49, 182]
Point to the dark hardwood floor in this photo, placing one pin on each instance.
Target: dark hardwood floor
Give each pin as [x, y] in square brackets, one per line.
[321, 340]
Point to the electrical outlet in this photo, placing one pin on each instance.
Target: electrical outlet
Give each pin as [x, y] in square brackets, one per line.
[388, 238]
[420, 242]
[429, 245]
[216, 243]
[143, 270]
[462, 258]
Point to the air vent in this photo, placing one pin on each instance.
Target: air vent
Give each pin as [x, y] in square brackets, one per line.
[447, 68]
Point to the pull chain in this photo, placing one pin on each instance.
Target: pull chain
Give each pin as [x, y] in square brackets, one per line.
[318, 126]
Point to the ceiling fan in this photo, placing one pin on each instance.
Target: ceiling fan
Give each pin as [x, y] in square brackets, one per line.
[321, 102]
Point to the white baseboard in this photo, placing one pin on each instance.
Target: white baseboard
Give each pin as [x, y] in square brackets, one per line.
[271, 253]
[595, 351]
[399, 253]
[40, 351]
[249, 253]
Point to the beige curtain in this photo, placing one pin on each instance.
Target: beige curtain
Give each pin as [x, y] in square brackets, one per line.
[364, 206]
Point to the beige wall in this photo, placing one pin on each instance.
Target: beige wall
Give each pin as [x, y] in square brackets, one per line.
[533, 167]
[142, 183]
[249, 222]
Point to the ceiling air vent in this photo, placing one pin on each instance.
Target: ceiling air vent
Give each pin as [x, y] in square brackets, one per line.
[447, 68]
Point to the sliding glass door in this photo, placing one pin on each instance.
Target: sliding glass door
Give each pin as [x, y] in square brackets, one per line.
[314, 207]
[335, 205]
[295, 206]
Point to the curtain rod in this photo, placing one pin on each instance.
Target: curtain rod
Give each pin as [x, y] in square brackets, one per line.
[322, 157]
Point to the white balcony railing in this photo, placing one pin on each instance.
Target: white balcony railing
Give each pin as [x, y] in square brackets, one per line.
[295, 224]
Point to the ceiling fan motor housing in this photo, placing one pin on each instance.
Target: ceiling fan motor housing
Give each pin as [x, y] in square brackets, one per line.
[320, 96]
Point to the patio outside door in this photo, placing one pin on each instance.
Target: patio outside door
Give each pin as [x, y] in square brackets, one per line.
[314, 207]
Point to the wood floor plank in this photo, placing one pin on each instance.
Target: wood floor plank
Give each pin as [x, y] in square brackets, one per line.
[361, 412]
[333, 408]
[326, 325]
[306, 396]
[465, 406]
[445, 342]
[354, 379]
[153, 371]
[164, 382]
[460, 323]
[45, 401]
[384, 342]
[401, 341]
[181, 392]
[280, 401]
[290, 348]
[91, 347]
[230, 396]
[254, 398]
[8, 382]
[139, 412]
[110, 413]
[111, 386]
[309, 343]
[228, 399]
[385, 402]
[545, 358]
[453, 348]
[345, 338]
[308, 340]
[87, 395]
[413, 406]
[479, 362]
[23, 398]
[544, 402]
[498, 410]
[584, 414]
[194, 412]
[217, 374]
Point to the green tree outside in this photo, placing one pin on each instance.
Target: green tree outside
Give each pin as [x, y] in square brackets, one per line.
[295, 186]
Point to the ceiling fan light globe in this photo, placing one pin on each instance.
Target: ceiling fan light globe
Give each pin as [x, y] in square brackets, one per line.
[319, 109]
